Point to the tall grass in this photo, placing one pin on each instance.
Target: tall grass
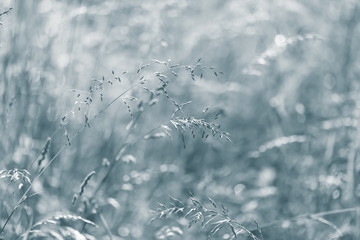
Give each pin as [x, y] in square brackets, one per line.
[108, 108]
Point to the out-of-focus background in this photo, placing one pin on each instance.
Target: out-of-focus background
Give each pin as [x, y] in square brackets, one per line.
[281, 77]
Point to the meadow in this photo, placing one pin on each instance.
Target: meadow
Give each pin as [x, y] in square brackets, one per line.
[178, 119]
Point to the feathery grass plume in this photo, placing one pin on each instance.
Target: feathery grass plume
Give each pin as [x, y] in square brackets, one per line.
[86, 99]
[191, 124]
[212, 218]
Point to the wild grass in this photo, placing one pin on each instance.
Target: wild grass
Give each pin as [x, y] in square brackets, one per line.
[108, 110]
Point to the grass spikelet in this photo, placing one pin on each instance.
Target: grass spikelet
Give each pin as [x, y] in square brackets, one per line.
[116, 77]
[169, 98]
[175, 66]
[67, 137]
[128, 109]
[87, 120]
[167, 130]
[6, 12]
[74, 199]
[44, 151]
[85, 182]
[160, 62]
[142, 67]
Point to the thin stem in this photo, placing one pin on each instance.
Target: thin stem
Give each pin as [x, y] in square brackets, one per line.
[311, 215]
[114, 162]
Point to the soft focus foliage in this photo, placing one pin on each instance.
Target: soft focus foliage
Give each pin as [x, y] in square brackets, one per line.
[108, 107]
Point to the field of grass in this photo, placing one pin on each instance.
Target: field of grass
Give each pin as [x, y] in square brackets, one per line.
[179, 119]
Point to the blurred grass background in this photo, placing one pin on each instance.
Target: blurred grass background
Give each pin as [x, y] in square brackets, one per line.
[288, 97]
